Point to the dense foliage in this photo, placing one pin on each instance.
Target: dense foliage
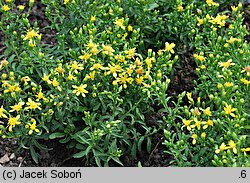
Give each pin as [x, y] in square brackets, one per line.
[110, 62]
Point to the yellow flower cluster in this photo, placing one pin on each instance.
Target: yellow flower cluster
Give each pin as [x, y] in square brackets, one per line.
[199, 119]
[30, 35]
[67, 1]
[199, 57]
[212, 3]
[219, 20]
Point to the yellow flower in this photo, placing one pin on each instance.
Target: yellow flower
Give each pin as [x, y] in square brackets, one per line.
[124, 79]
[91, 44]
[180, 8]
[226, 64]
[199, 57]
[187, 123]
[130, 28]
[189, 96]
[2, 110]
[80, 90]
[197, 123]
[139, 79]
[208, 123]
[200, 21]
[169, 47]
[17, 107]
[66, 2]
[13, 121]
[75, 67]
[244, 150]
[46, 78]
[196, 111]
[71, 77]
[94, 50]
[25, 79]
[229, 110]
[232, 40]
[211, 3]
[5, 7]
[129, 71]
[32, 105]
[12, 88]
[119, 23]
[221, 148]
[245, 81]
[4, 63]
[219, 20]
[55, 83]
[107, 50]
[60, 69]
[148, 62]
[234, 9]
[39, 95]
[219, 85]
[114, 69]
[130, 53]
[85, 57]
[33, 127]
[8, 1]
[92, 19]
[228, 84]
[96, 66]
[207, 111]
[203, 135]
[232, 145]
[140, 70]
[91, 75]
[31, 34]
[194, 137]
[21, 7]
[203, 67]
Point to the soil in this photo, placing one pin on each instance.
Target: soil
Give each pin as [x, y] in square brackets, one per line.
[182, 81]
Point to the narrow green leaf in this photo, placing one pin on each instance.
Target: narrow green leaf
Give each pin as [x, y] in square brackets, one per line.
[34, 155]
[149, 144]
[56, 135]
[79, 155]
[140, 143]
[117, 160]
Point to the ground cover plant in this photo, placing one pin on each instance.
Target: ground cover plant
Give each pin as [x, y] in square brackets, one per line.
[96, 76]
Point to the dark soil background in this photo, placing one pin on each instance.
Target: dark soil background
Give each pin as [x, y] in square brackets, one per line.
[60, 156]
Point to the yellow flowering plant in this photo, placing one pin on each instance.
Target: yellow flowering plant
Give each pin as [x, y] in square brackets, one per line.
[217, 119]
[90, 90]
[93, 82]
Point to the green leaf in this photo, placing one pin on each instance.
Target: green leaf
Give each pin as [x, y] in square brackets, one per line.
[117, 160]
[56, 135]
[153, 6]
[96, 107]
[34, 155]
[79, 155]
[149, 144]
[133, 150]
[81, 139]
[79, 146]
[82, 153]
[11, 58]
[139, 143]
[65, 140]
[98, 161]
[40, 146]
